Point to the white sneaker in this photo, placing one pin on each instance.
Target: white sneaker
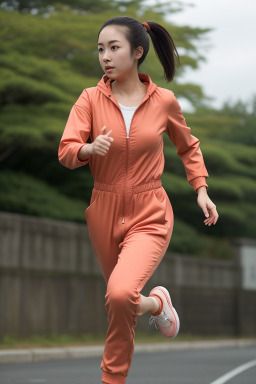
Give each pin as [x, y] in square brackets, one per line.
[167, 322]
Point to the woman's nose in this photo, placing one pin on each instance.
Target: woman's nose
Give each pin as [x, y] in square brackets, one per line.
[105, 55]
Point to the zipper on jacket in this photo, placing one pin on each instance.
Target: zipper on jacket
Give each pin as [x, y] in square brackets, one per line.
[126, 159]
[126, 169]
[126, 153]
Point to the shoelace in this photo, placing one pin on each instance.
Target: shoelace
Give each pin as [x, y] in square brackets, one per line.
[162, 319]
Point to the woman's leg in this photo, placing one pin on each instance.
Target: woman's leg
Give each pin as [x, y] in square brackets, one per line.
[148, 304]
[141, 254]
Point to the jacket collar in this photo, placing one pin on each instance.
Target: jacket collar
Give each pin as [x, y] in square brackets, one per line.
[104, 84]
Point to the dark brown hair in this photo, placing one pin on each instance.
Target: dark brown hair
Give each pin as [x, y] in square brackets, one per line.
[137, 35]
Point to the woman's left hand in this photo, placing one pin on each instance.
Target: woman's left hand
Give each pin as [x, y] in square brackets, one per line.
[208, 207]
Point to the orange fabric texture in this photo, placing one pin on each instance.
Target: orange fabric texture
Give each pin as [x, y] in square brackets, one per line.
[158, 112]
[130, 218]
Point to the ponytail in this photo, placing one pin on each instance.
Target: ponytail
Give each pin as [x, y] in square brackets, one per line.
[164, 48]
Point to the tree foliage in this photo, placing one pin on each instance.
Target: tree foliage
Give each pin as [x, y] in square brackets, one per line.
[46, 62]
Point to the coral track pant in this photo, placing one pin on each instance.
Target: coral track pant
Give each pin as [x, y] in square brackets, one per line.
[130, 230]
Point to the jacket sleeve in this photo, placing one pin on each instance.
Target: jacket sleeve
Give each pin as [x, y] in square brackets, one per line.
[76, 133]
[187, 146]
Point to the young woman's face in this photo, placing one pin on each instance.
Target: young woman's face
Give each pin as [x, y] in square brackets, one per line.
[116, 53]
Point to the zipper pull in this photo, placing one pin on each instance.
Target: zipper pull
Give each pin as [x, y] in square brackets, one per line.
[123, 221]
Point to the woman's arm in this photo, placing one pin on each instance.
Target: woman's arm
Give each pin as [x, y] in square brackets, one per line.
[187, 146]
[76, 134]
[189, 151]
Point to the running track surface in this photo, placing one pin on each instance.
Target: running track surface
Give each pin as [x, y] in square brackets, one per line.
[202, 366]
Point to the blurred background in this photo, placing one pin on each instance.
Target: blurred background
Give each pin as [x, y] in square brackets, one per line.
[49, 277]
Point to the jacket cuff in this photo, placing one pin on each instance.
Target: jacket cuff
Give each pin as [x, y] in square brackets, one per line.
[198, 182]
[81, 161]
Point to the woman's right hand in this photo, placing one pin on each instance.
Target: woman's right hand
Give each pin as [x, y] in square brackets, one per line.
[102, 143]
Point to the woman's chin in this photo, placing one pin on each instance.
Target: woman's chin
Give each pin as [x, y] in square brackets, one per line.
[109, 74]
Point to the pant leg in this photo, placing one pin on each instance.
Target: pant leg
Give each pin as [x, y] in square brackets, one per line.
[141, 254]
[144, 237]
[104, 234]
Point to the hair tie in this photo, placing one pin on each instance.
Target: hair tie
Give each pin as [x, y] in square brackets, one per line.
[146, 25]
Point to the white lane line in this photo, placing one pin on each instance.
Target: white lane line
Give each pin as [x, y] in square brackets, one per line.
[223, 379]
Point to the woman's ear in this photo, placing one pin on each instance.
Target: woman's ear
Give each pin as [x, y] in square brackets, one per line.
[139, 52]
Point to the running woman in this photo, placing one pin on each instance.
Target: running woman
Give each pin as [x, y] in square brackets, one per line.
[130, 218]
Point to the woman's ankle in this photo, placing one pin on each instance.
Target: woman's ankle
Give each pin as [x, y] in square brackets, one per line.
[158, 306]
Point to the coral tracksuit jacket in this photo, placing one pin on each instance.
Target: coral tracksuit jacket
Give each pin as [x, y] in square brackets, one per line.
[140, 156]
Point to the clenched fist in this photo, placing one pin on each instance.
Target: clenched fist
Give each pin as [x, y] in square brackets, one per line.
[102, 143]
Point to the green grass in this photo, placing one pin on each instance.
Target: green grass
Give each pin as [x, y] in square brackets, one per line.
[50, 341]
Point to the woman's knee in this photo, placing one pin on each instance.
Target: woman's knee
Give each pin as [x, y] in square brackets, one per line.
[120, 296]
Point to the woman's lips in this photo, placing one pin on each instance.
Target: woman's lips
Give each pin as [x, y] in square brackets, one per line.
[109, 69]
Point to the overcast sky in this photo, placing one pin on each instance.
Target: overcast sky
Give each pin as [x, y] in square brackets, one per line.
[229, 72]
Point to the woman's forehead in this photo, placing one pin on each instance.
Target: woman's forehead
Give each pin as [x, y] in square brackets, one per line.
[111, 34]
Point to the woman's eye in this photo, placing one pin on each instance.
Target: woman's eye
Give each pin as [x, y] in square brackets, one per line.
[100, 49]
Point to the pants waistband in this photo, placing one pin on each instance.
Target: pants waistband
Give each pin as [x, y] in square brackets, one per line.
[135, 188]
